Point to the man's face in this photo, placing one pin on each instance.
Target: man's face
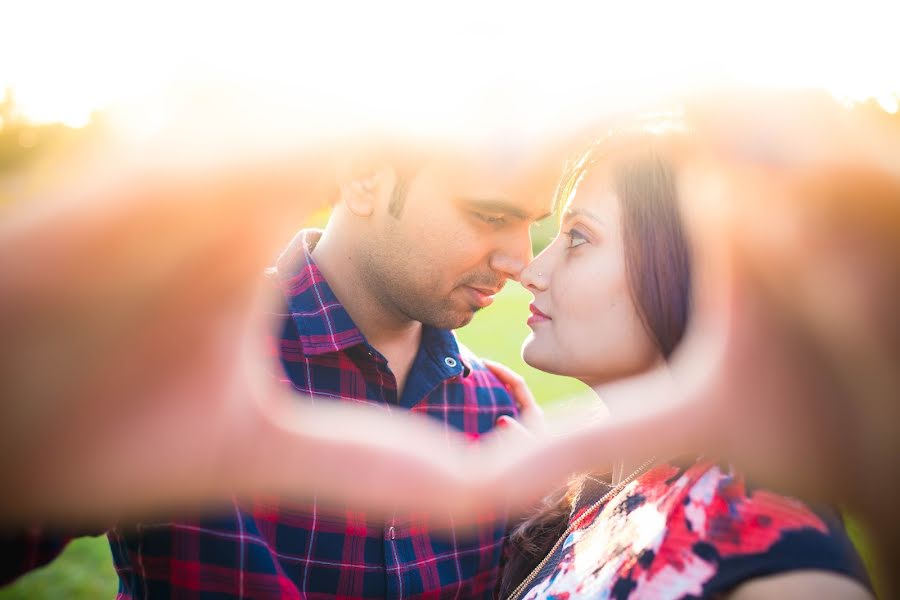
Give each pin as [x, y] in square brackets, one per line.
[461, 232]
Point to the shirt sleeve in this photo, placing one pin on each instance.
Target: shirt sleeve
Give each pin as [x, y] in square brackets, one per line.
[795, 549]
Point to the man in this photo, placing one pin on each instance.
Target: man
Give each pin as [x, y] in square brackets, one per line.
[409, 253]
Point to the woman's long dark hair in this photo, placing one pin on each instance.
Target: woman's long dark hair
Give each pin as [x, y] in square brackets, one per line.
[658, 268]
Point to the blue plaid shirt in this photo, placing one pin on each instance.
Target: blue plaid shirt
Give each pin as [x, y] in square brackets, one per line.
[268, 549]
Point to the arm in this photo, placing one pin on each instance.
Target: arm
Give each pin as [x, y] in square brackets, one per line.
[812, 585]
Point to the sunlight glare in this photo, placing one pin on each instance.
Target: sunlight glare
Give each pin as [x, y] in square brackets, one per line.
[430, 69]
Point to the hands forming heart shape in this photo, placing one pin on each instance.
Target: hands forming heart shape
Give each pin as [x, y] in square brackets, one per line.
[134, 377]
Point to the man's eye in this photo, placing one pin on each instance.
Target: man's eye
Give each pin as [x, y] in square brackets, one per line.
[575, 238]
[490, 219]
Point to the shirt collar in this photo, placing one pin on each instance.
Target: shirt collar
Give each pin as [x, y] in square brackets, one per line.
[322, 322]
[442, 346]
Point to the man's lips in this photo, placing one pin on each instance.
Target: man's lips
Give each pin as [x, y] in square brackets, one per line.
[537, 316]
[481, 297]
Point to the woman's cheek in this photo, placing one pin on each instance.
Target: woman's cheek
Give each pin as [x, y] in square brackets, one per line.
[580, 325]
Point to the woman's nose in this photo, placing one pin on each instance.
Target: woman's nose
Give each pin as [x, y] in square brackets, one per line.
[534, 276]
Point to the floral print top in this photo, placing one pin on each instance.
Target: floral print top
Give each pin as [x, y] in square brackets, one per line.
[689, 531]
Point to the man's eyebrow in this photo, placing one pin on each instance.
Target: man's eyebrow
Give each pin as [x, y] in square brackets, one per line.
[503, 206]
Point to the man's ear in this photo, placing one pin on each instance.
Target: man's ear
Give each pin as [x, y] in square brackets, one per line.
[364, 189]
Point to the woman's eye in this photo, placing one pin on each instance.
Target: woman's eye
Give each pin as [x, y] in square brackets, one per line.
[575, 238]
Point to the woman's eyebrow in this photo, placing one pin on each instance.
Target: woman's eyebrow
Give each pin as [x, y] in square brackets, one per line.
[572, 213]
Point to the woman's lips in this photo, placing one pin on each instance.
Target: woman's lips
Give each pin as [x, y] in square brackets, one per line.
[537, 316]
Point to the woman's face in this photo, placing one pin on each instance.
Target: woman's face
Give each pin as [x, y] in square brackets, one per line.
[584, 321]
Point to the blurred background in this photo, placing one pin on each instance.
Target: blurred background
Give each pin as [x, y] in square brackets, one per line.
[83, 85]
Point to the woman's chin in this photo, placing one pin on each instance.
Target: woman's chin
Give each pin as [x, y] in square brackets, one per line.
[536, 355]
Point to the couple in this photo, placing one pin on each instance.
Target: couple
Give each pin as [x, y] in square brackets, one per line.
[411, 253]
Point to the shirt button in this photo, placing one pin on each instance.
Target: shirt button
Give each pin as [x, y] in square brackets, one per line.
[391, 532]
[450, 361]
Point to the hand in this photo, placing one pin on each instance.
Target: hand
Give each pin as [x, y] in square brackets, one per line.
[531, 415]
[793, 203]
[789, 368]
[134, 374]
[800, 205]
[127, 313]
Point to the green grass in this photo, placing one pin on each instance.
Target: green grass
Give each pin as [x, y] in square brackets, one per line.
[84, 570]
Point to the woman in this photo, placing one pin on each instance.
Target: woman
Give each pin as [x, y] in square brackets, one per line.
[611, 300]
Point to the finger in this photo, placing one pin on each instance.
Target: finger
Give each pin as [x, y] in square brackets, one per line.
[515, 383]
[144, 278]
[509, 434]
[176, 248]
[508, 424]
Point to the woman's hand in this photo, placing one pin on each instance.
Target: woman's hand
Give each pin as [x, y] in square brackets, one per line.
[531, 420]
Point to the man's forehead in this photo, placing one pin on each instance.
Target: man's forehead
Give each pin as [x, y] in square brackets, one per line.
[488, 165]
[499, 184]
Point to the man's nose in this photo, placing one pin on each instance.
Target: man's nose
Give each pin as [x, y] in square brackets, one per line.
[507, 266]
[513, 255]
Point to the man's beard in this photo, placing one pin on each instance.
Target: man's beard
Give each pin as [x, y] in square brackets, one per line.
[444, 312]
[414, 294]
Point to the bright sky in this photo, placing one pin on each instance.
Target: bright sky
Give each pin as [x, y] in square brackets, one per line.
[426, 65]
